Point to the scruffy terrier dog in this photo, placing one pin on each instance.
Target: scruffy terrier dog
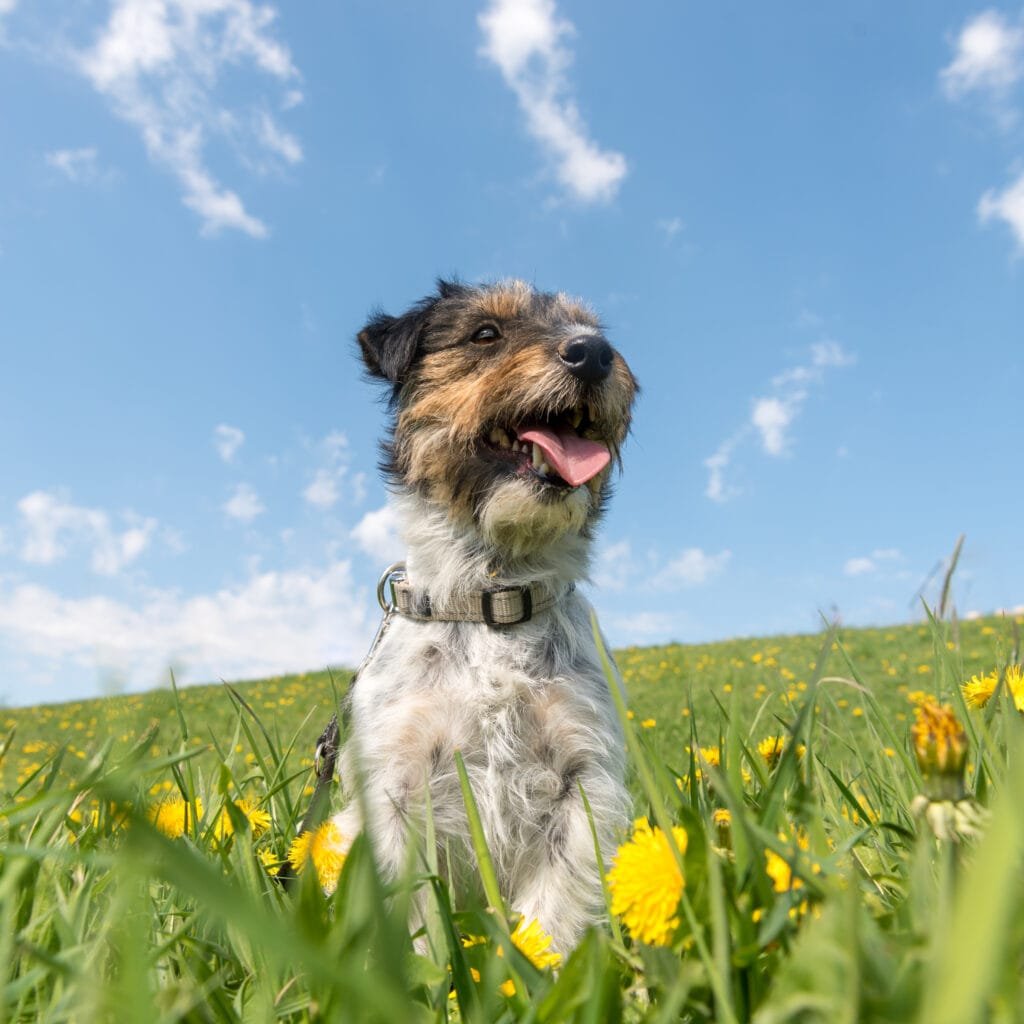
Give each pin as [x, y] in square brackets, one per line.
[510, 408]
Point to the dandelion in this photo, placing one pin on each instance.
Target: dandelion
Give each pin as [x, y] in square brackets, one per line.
[940, 746]
[171, 817]
[770, 748]
[646, 883]
[780, 870]
[259, 820]
[535, 944]
[325, 848]
[940, 743]
[978, 690]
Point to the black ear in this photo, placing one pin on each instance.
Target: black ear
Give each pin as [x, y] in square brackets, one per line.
[390, 343]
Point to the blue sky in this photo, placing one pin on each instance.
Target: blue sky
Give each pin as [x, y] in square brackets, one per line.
[802, 225]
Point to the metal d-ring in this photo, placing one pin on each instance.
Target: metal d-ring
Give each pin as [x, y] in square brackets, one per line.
[393, 574]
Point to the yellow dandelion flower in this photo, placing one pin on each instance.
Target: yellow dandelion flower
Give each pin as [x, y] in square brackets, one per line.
[770, 748]
[259, 820]
[979, 688]
[722, 816]
[711, 756]
[646, 884]
[269, 860]
[326, 848]
[780, 870]
[535, 944]
[649, 723]
[173, 816]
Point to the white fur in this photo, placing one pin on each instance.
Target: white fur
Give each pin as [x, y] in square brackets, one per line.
[529, 708]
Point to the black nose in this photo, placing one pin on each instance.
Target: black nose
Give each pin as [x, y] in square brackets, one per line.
[587, 357]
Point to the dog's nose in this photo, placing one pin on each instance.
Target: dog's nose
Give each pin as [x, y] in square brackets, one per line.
[587, 357]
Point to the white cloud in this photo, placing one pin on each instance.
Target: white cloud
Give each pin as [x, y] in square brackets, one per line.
[273, 622]
[645, 626]
[227, 440]
[691, 568]
[159, 62]
[864, 564]
[6, 6]
[277, 140]
[670, 227]
[52, 526]
[716, 465]
[244, 504]
[377, 534]
[77, 165]
[1007, 206]
[772, 416]
[613, 566]
[859, 566]
[526, 40]
[324, 491]
[829, 353]
[989, 57]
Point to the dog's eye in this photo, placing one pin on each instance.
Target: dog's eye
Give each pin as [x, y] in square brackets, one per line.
[486, 333]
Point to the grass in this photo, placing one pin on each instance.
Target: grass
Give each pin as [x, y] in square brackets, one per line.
[822, 898]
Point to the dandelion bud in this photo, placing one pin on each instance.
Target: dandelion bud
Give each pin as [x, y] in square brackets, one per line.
[940, 746]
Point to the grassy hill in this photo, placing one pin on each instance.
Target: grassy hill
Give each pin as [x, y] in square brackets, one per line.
[802, 856]
[679, 687]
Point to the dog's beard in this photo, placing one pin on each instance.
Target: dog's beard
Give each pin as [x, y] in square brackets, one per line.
[515, 518]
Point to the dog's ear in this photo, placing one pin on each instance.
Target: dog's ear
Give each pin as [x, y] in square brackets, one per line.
[389, 343]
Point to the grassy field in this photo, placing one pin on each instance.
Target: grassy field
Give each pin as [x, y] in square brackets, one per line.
[788, 869]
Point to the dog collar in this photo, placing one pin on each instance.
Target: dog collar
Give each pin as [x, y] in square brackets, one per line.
[495, 606]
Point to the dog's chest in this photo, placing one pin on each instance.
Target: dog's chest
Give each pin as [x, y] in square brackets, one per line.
[510, 702]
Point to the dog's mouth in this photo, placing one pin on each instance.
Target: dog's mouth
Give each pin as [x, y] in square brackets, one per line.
[559, 450]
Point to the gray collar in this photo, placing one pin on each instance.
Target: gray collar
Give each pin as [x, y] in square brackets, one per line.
[495, 606]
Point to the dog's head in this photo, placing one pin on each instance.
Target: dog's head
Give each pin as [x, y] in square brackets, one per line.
[510, 407]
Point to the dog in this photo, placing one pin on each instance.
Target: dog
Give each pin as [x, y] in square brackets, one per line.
[509, 409]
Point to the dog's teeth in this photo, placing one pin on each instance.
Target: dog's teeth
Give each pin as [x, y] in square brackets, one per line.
[537, 460]
[576, 417]
[592, 412]
[499, 437]
[544, 468]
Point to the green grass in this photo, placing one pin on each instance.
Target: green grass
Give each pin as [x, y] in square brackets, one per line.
[102, 917]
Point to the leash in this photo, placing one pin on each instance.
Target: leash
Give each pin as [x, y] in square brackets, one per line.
[325, 757]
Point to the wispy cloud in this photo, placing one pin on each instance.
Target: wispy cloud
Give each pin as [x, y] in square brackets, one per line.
[989, 57]
[80, 166]
[244, 505]
[613, 566]
[377, 534]
[1007, 206]
[324, 490]
[227, 440]
[271, 622]
[159, 63]
[52, 527]
[988, 62]
[526, 39]
[691, 568]
[864, 565]
[670, 227]
[772, 415]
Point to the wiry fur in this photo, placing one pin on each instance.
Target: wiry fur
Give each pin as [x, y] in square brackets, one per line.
[528, 706]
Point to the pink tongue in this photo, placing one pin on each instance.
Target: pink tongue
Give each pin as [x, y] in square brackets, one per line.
[575, 459]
